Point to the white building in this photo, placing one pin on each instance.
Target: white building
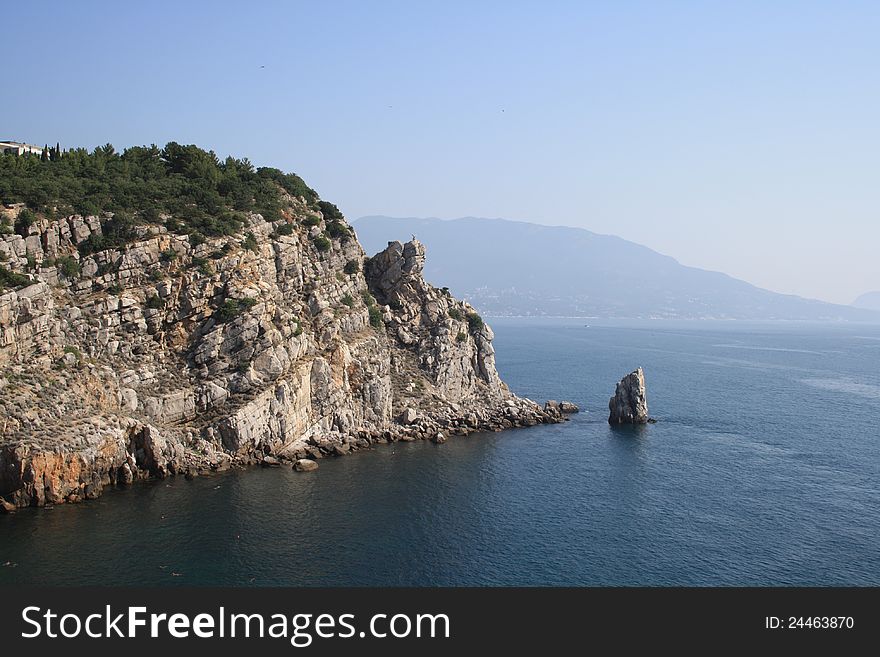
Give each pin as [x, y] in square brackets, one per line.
[19, 149]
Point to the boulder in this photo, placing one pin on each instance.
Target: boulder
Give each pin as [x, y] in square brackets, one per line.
[124, 476]
[629, 405]
[567, 407]
[305, 465]
[270, 462]
[6, 507]
[439, 438]
[409, 416]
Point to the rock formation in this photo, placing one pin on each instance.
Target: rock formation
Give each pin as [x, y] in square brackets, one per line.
[560, 408]
[629, 405]
[173, 356]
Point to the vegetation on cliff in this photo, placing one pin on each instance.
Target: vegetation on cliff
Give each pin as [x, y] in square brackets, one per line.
[186, 188]
[10, 279]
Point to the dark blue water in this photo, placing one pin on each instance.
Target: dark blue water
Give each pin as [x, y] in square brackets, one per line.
[763, 469]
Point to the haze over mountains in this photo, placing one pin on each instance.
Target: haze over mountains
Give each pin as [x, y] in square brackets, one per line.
[868, 301]
[516, 268]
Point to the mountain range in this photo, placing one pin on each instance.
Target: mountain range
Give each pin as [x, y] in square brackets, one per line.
[517, 268]
[868, 301]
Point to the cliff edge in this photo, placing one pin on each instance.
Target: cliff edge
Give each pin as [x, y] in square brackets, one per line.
[172, 355]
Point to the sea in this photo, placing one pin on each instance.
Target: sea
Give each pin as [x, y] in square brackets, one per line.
[763, 469]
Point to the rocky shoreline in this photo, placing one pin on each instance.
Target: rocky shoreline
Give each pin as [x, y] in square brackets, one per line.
[49, 478]
[168, 357]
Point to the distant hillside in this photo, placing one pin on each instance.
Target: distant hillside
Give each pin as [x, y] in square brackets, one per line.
[517, 268]
[868, 301]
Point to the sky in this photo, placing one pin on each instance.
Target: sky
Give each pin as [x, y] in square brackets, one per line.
[741, 137]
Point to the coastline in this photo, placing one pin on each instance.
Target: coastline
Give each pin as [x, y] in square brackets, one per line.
[50, 478]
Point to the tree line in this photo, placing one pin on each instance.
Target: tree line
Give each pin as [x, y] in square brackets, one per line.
[188, 189]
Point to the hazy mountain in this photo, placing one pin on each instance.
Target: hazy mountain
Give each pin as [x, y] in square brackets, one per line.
[868, 301]
[517, 268]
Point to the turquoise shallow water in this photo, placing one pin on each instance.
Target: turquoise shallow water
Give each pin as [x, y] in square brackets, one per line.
[763, 469]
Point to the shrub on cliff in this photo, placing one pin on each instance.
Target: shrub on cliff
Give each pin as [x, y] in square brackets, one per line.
[68, 266]
[11, 280]
[250, 243]
[203, 265]
[155, 302]
[115, 233]
[375, 316]
[322, 243]
[337, 229]
[232, 308]
[351, 267]
[475, 322]
[24, 221]
[330, 211]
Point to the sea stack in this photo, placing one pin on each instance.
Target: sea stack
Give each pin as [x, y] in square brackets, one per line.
[629, 405]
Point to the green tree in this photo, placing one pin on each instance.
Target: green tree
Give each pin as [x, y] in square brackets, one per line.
[26, 218]
[68, 266]
[322, 243]
[475, 322]
[250, 243]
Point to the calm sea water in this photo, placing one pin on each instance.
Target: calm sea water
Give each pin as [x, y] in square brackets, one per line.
[763, 469]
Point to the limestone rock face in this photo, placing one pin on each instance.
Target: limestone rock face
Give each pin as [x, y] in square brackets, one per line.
[629, 405]
[452, 348]
[166, 357]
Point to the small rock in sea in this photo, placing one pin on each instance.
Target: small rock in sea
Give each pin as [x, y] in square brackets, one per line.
[440, 438]
[270, 462]
[305, 465]
[566, 407]
[629, 405]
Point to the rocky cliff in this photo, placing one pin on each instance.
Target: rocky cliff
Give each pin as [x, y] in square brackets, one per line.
[168, 355]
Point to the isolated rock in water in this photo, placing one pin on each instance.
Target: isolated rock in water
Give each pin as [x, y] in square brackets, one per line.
[629, 405]
[567, 407]
[305, 465]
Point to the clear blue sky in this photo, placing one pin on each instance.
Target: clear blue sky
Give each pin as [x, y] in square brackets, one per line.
[739, 136]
